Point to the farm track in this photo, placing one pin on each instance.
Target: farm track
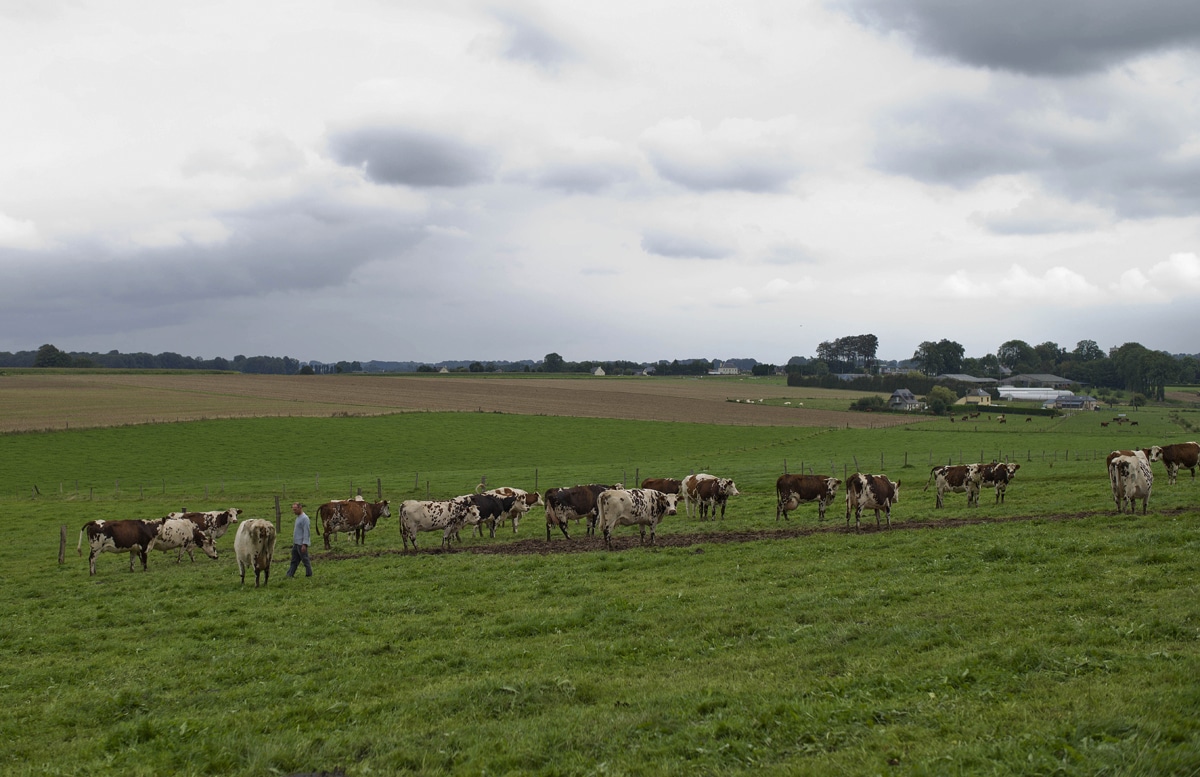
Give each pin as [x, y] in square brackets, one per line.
[627, 540]
[83, 400]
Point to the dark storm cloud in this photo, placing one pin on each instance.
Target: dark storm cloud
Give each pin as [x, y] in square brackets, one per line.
[676, 246]
[1135, 164]
[411, 157]
[306, 247]
[525, 40]
[1060, 38]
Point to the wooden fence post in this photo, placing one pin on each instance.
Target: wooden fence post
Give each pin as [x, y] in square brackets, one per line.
[276, 513]
[62, 544]
[378, 489]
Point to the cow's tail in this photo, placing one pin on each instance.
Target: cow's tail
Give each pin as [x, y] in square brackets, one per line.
[927, 482]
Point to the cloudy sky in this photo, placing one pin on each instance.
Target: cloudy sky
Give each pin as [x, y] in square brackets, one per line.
[637, 180]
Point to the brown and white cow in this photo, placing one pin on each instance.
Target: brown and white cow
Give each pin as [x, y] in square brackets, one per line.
[254, 546]
[713, 492]
[1180, 455]
[998, 475]
[956, 478]
[690, 494]
[214, 523]
[639, 507]
[130, 536]
[572, 504]
[183, 535]
[449, 515]
[794, 490]
[665, 485]
[1131, 479]
[871, 492]
[351, 515]
[525, 501]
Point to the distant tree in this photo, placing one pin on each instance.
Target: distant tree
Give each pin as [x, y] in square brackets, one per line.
[938, 358]
[49, 356]
[940, 399]
[307, 370]
[425, 368]
[475, 367]
[1017, 355]
[762, 370]
[1087, 351]
[868, 404]
[1137, 400]
[552, 362]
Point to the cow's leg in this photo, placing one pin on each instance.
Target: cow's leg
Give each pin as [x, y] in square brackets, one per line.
[92, 562]
[143, 553]
[642, 534]
[327, 538]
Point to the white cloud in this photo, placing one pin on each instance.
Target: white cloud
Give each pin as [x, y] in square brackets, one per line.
[745, 154]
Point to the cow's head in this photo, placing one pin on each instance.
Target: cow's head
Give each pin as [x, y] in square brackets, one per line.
[204, 542]
[384, 510]
[1156, 453]
[895, 490]
[670, 500]
[728, 486]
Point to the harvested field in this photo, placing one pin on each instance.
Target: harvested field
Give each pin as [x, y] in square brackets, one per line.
[57, 401]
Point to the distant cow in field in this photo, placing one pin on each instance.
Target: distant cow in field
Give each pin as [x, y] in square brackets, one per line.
[793, 490]
[183, 535]
[130, 536]
[254, 546]
[1183, 455]
[447, 515]
[956, 478]
[714, 492]
[871, 492]
[572, 504]
[1002, 419]
[1131, 479]
[351, 515]
[639, 507]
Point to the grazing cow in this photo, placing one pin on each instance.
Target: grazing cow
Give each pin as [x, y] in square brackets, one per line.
[872, 492]
[690, 494]
[665, 485]
[351, 515]
[254, 546]
[713, 492]
[999, 475]
[640, 507]
[793, 490]
[566, 504]
[183, 535]
[1104, 423]
[956, 478]
[448, 515]
[491, 509]
[1180, 455]
[214, 523]
[525, 501]
[132, 536]
[1131, 479]
[1002, 419]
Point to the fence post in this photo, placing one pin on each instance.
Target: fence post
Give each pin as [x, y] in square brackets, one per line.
[378, 489]
[62, 544]
[785, 466]
[277, 513]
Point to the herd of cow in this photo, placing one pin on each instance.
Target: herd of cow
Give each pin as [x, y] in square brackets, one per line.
[604, 507]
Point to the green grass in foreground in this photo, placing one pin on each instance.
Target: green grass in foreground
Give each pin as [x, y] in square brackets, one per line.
[1047, 645]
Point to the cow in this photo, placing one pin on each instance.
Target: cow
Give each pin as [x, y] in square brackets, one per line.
[214, 523]
[713, 492]
[1131, 479]
[690, 495]
[448, 515]
[1143, 452]
[574, 503]
[640, 507]
[665, 485]
[183, 535]
[793, 490]
[872, 492]
[999, 475]
[1179, 455]
[351, 515]
[132, 536]
[491, 509]
[254, 546]
[525, 501]
[1002, 419]
[956, 478]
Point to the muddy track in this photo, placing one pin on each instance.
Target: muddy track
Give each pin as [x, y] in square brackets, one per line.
[628, 539]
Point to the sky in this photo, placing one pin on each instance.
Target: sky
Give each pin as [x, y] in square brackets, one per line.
[426, 181]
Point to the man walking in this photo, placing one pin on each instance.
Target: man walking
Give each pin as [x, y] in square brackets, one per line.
[300, 540]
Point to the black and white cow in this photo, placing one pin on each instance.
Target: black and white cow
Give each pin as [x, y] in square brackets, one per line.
[712, 492]
[997, 474]
[956, 478]
[183, 535]
[492, 510]
[1131, 479]
[214, 523]
[640, 507]
[254, 546]
[448, 515]
[870, 492]
[524, 502]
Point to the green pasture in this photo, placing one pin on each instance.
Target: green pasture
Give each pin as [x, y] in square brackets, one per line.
[1058, 637]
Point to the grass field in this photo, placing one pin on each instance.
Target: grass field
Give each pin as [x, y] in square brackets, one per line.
[1053, 637]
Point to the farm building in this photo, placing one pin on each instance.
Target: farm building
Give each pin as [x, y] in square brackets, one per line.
[721, 369]
[1037, 380]
[1079, 402]
[903, 399]
[960, 378]
[598, 372]
[1032, 394]
[975, 397]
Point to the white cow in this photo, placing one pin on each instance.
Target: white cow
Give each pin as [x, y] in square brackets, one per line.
[633, 507]
[870, 492]
[182, 534]
[254, 546]
[1131, 479]
[449, 516]
[214, 523]
[690, 490]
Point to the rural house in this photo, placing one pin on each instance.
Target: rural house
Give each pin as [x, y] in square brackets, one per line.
[976, 397]
[903, 399]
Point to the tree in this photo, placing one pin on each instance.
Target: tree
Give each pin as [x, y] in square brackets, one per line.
[49, 356]
[1087, 351]
[940, 399]
[1016, 354]
[1050, 356]
[552, 362]
[940, 357]
[762, 370]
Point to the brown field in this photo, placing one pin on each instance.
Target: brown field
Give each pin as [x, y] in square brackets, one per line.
[35, 402]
